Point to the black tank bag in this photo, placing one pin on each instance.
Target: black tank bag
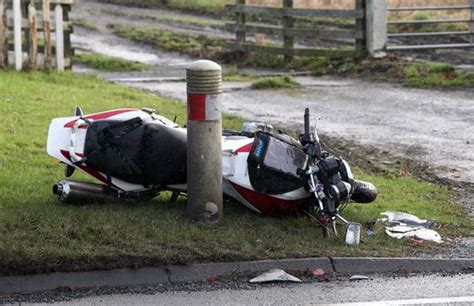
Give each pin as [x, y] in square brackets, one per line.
[273, 163]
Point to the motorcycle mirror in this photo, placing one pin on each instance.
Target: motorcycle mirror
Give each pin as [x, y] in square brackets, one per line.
[353, 233]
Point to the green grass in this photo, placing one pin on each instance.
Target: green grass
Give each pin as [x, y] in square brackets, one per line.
[174, 20]
[86, 24]
[40, 234]
[437, 75]
[108, 63]
[284, 81]
[194, 45]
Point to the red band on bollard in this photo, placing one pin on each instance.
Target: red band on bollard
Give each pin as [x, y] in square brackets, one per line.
[196, 107]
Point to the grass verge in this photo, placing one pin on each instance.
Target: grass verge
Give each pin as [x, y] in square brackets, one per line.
[108, 63]
[86, 24]
[393, 69]
[40, 234]
[194, 45]
[284, 81]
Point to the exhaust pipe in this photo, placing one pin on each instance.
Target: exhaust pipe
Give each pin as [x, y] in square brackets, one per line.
[69, 191]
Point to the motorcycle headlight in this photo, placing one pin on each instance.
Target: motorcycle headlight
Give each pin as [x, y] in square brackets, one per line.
[341, 191]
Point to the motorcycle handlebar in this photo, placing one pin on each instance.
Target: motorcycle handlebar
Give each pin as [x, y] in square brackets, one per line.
[306, 123]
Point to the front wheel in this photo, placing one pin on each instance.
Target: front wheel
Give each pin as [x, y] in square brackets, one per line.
[364, 192]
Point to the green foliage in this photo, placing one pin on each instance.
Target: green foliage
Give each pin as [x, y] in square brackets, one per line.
[86, 24]
[437, 75]
[285, 81]
[107, 63]
[191, 44]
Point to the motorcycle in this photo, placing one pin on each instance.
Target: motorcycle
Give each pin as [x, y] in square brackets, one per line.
[136, 153]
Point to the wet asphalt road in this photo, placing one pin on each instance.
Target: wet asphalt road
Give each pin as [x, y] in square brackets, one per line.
[378, 288]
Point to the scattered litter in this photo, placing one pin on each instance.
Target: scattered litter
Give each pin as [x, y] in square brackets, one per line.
[213, 278]
[358, 278]
[369, 225]
[394, 218]
[419, 233]
[417, 241]
[275, 275]
[404, 225]
[319, 273]
[371, 233]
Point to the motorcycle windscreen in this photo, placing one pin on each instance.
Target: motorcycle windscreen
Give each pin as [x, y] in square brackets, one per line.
[274, 162]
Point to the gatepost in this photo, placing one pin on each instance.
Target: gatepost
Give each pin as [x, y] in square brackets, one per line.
[377, 20]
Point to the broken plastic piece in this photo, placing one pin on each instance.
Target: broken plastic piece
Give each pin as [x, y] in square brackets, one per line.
[213, 278]
[371, 233]
[358, 278]
[419, 233]
[393, 218]
[275, 275]
[319, 273]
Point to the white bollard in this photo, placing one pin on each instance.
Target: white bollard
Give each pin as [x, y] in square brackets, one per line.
[58, 16]
[204, 151]
[17, 35]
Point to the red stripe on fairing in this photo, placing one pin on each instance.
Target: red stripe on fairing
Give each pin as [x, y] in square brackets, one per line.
[196, 107]
[245, 149]
[87, 169]
[267, 204]
[99, 116]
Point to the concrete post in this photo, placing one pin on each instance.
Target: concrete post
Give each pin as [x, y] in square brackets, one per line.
[377, 28]
[17, 19]
[204, 152]
[59, 31]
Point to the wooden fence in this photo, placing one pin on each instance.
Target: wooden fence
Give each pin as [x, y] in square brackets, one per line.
[286, 15]
[35, 33]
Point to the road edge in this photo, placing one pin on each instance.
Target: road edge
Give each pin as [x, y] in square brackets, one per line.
[202, 272]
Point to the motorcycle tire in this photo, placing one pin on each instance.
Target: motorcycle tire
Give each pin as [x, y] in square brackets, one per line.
[364, 192]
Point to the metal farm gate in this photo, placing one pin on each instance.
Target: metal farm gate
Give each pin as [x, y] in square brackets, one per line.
[425, 32]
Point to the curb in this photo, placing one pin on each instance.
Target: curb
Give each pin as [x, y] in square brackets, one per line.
[201, 272]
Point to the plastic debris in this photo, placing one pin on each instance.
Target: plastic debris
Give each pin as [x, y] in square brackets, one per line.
[371, 233]
[404, 225]
[358, 278]
[213, 278]
[275, 275]
[419, 233]
[319, 273]
[394, 218]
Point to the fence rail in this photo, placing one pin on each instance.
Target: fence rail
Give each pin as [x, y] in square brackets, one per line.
[41, 33]
[289, 32]
[467, 34]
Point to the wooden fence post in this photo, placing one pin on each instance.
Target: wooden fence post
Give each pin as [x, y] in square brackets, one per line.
[471, 24]
[3, 35]
[360, 44]
[33, 52]
[288, 42]
[59, 31]
[17, 19]
[68, 51]
[240, 18]
[47, 35]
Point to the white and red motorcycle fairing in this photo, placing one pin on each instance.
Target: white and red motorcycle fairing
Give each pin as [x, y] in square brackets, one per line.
[67, 140]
